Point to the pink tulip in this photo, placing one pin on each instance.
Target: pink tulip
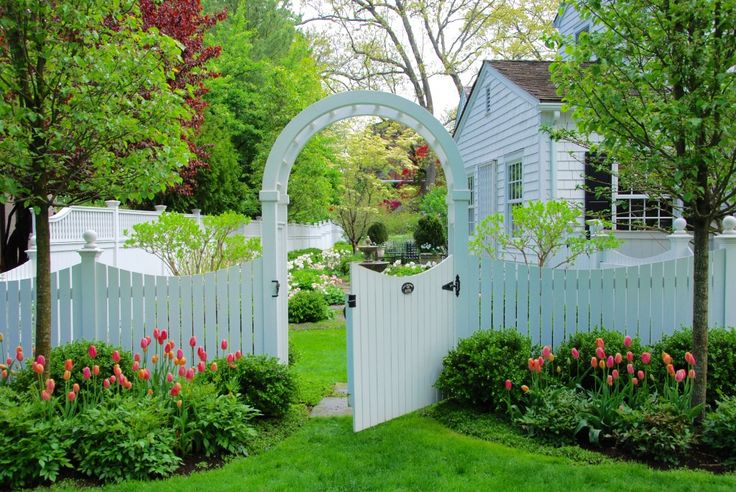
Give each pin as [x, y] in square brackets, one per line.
[691, 374]
[92, 351]
[201, 367]
[137, 357]
[182, 371]
[116, 356]
[599, 343]
[575, 354]
[223, 344]
[618, 358]
[190, 374]
[193, 342]
[45, 395]
[546, 351]
[630, 356]
[640, 375]
[614, 373]
[600, 353]
[238, 355]
[112, 379]
[634, 381]
[75, 387]
[627, 341]
[41, 360]
[96, 370]
[163, 337]
[680, 375]
[19, 355]
[689, 358]
[507, 384]
[646, 358]
[8, 361]
[86, 373]
[106, 383]
[609, 380]
[179, 354]
[144, 343]
[71, 396]
[609, 361]
[630, 368]
[156, 333]
[169, 377]
[50, 385]
[136, 366]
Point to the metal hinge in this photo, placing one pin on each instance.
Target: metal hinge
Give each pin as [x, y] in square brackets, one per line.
[453, 285]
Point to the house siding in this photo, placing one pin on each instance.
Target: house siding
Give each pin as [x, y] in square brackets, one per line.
[511, 129]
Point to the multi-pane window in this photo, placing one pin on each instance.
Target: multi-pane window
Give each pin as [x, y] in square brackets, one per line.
[471, 205]
[515, 189]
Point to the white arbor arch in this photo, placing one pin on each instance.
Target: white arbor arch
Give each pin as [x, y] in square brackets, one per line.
[274, 198]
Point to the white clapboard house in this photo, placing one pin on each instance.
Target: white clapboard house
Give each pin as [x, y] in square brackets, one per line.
[510, 160]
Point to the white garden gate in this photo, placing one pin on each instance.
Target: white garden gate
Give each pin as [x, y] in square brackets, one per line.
[399, 391]
[399, 329]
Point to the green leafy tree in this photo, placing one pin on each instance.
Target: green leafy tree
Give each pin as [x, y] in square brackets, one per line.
[662, 94]
[87, 113]
[188, 249]
[543, 232]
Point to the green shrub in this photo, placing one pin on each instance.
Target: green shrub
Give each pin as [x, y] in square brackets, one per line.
[334, 295]
[345, 261]
[657, 432]
[571, 370]
[313, 252]
[400, 222]
[553, 414]
[434, 204]
[430, 234]
[35, 446]
[475, 371]
[210, 423]
[721, 359]
[261, 381]
[308, 306]
[719, 428]
[77, 351]
[378, 233]
[125, 439]
[294, 354]
[303, 278]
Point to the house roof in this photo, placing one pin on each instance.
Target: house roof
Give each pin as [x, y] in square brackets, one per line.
[532, 76]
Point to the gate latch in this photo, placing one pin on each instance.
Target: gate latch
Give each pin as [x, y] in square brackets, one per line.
[352, 300]
[278, 287]
[454, 285]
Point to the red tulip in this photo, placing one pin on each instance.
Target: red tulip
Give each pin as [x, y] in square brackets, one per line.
[86, 373]
[136, 366]
[163, 337]
[646, 357]
[600, 353]
[630, 368]
[680, 375]
[179, 354]
[593, 362]
[8, 361]
[144, 343]
[45, 395]
[106, 383]
[546, 351]
[201, 367]
[618, 358]
[599, 343]
[112, 379]
[176, 389]
[193, 342]
[238, 355]
[507, 384]
[182, 371]
[169, 377]
[137, 357]
[689, 358]
[575, 354]
[68, 364]
[71, 396]
[116, 356]
[627, 341]
[50, 385]
[156, 333]
[190, 374]
[614, 373]
[92, 351]
[223, 344]
[41, 360]
[19, 355]
[609, 361]
[630, 356]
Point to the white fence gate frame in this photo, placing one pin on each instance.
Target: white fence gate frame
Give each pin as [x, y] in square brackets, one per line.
[397, 341]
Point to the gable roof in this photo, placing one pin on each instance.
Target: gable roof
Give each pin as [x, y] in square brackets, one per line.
[532, 76]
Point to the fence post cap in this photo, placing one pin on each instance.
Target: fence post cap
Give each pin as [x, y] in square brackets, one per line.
[196, 211]
[729, 226]
[112, 203]
[90, 238]
[159, 208]
[678, 226]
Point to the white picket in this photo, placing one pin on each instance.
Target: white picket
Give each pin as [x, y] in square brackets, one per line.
[535, 304]
[619, 317]
[658, 304]
[126, 310]
[717, 290]
[683, 292]
[187, 320]
[547, 302]
[582, 322]
[113, 306]
[176, 333]
[571, 303]
[210, 316]
[558, 306]
[668, 308]
[522, 302]
[137, 326]
[222, 307]
[510, 292]
[596, 299]
[233, 309]
[149, 304]
[645, 303]
[162, 308]
[497, 285]
[25, 313]
[632, 279]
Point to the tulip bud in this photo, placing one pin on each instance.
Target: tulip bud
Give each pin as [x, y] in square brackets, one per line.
[618, 358]
[92, 351]
[646, 357]
[112, 379]
[680, 375]
[201, 367]
[546, 351]
[41, 360]
[666, 358]
[182, 371]
[190, 374]
[154, 358]
[630, 356]
[71, 396]
[156, 333]
[179, 354]
[169, 377]
[45, 395]
[179, 403]
[37, 368]
[238, 354]
[630, 368]
[96, 370]
[193, 342]
[75, 387]
[149, 392]
[599, 343]
[106, 383]
[67, 375]
[50, 385]
[524, 388]
[609, 361]
[223, 344]
[689, 358]
[213, 367]
[600, 353]
[634, 381]
[593, 362]
[507, 384]
[670, 369]
[137, 357]
[136, 366]
[116, 356]
[609, 380]
[627, 341]
[86, 373]
[614, 373]
[602, 364]
[575, 354]
[691, 374]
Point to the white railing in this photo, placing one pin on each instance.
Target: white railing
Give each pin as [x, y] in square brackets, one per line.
[648, 299]
[94, 301]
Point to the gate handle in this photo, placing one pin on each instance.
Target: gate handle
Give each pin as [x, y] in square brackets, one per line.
[278, 287]
[453, 285]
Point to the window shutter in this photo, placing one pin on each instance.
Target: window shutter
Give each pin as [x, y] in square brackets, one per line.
[598, 185]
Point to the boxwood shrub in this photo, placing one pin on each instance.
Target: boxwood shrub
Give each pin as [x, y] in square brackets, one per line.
[474, 372]
[308, 306]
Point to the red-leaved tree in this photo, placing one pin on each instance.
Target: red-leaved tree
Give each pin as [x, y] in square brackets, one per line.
[184, 21]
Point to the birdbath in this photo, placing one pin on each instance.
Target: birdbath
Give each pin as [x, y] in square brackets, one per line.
[372, 263]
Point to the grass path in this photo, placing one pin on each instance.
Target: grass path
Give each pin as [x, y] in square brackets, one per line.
[321, 360]
[417, 453]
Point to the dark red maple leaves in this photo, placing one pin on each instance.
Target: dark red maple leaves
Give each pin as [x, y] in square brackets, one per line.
[184, 21]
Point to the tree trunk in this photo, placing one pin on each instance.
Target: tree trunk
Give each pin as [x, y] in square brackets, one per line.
[43, 285]
[700, 310]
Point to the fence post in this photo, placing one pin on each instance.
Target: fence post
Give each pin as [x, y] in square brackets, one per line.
[31, 253]
[197, 215]
[89, 292]
[727, 241]
[114, 205]
[679, 239]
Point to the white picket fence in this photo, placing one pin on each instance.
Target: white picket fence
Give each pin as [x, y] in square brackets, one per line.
[94, 301]
[647, 300]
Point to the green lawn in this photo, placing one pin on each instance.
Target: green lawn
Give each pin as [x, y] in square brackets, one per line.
[417, 453]
[321, 358]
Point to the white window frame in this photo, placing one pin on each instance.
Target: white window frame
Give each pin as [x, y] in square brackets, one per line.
[472, 182]
[513, 199]
[626, 221]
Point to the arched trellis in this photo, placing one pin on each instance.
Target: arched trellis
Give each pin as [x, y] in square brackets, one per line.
[274, 197]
